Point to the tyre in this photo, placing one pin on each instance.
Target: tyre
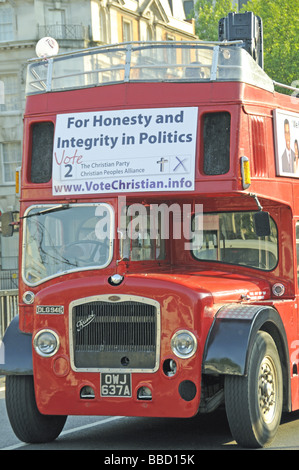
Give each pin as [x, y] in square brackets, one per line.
[254, 402]
[28, 424]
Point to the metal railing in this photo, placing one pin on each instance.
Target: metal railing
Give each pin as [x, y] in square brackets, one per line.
[162, 61]
[9, 279]
[8, 308]
[64, 31]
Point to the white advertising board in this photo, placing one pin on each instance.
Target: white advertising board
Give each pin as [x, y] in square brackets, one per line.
[128, 150]
[286, 132]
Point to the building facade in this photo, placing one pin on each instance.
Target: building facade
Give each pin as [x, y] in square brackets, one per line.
[75, 24]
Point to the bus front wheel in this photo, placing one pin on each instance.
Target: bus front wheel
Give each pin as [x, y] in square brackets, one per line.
[28, 424]
[254, 402]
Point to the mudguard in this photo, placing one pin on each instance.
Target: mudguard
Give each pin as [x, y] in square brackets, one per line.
[16, 351]
[232, 335]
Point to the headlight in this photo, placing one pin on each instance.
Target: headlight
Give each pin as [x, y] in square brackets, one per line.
[184, 344]
[46, 343]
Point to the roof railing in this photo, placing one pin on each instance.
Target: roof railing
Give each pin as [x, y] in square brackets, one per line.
[165, 61]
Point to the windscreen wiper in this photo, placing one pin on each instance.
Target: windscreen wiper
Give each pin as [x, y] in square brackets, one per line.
[61, 207]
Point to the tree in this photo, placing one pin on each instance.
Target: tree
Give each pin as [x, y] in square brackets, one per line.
[281, 37]
[280, 26]
[207, 14]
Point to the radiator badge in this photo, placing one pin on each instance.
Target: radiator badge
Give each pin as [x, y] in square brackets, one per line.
[83, 323]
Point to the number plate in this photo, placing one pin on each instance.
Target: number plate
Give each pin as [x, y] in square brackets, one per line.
[51, 309]
[116, 385]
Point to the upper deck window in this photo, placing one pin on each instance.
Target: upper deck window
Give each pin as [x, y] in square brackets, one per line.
[216, 136]
[42, 151]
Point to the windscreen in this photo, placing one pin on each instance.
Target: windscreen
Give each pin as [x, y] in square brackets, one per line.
[143, 237]
[60, 239]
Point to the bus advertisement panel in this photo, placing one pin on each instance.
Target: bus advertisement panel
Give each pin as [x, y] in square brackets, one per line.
[125, 150]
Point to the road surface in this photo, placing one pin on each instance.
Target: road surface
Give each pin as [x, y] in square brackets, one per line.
[117, 436]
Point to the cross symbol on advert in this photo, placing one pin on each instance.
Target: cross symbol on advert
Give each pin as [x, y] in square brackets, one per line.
[181, 163]
[162, 162]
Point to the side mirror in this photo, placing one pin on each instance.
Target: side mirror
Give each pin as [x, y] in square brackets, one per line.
[7, 224]
[262, 224]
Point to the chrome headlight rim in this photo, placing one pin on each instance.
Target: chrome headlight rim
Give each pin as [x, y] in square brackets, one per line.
[36, 344]
[28, 297]
[174, 347]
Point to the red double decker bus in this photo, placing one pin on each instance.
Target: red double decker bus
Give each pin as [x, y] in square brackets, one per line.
[159, 225]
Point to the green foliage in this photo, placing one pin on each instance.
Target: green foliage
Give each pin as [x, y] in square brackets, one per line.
[207, 14]
[281, 37]
[281, 32]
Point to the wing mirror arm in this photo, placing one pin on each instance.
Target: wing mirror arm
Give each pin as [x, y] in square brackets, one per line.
[261, 219]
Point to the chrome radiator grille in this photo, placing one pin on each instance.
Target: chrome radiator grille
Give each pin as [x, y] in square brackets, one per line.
[119, 335]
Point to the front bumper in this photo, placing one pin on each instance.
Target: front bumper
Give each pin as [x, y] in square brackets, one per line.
[70, 393]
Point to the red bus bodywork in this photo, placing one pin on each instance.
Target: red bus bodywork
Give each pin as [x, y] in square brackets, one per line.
[189, 293]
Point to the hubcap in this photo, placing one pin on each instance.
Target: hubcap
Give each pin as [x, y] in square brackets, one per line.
[267, 391]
